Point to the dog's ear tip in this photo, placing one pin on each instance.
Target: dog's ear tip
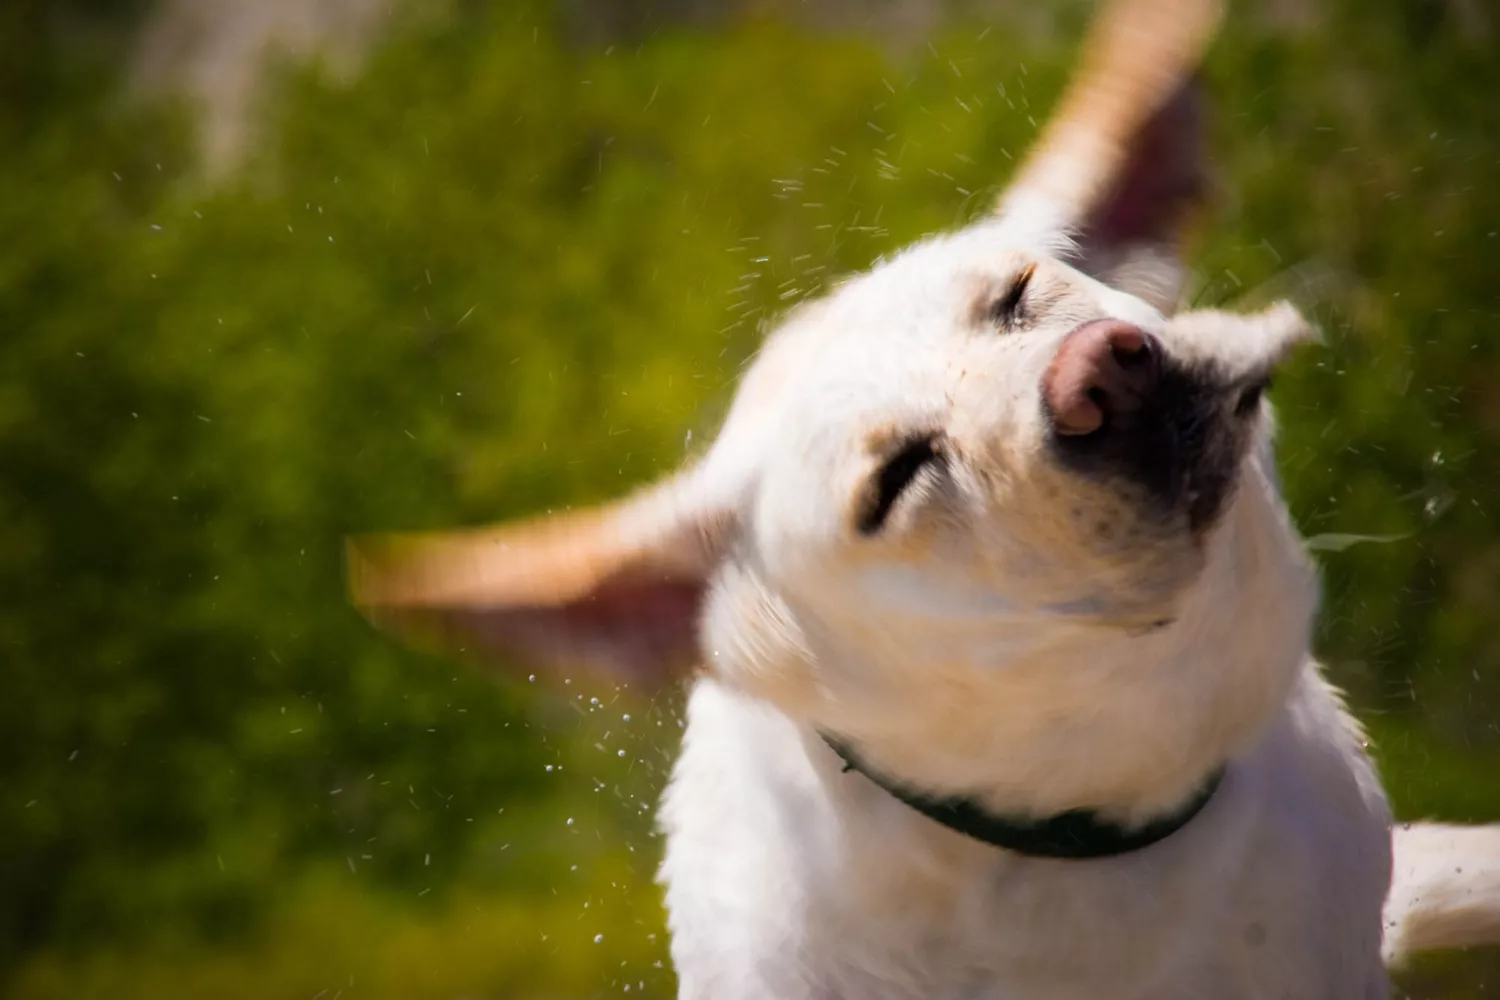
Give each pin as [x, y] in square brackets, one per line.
[372, 574]
[1292, 324]
[359, 571]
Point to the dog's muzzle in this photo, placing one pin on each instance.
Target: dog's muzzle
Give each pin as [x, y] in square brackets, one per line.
[1120, 407]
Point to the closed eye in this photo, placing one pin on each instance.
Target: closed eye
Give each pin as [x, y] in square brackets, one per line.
[1009, 308]
[1250, 397]
[893, 478]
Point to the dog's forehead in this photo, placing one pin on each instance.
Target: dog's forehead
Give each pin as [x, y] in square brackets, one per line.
[939, 278]
[877, 353]
[932, 271]
[896, 334]
[881, 329]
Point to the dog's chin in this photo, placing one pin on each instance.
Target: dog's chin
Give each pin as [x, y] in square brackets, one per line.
[1176, 561]
[1140, 578]
[1119, 617]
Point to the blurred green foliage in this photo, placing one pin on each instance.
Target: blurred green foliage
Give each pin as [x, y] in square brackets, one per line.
[501, 271]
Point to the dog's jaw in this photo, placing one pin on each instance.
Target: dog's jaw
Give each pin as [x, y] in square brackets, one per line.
[1041, 714]
[999, 636]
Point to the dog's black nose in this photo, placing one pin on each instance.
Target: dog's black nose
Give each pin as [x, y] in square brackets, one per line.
[1101, 378]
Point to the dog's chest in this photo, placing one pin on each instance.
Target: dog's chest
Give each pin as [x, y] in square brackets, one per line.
[768, 884]
[772, 891]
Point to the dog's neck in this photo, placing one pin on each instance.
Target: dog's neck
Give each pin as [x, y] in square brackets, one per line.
[1076, 834]
[1130, 727]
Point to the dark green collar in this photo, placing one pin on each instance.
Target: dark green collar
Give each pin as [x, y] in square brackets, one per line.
[1078, 833]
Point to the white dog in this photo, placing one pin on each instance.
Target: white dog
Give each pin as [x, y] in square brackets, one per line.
[1003, 626]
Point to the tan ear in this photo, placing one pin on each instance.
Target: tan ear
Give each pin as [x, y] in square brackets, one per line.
[614, 591]
[1120, 167]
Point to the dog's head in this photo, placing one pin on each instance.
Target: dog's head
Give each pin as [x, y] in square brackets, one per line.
[992, 449]
[979, 431]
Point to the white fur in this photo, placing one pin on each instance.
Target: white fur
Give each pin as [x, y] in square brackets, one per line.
[1037, 635]
[984, 647]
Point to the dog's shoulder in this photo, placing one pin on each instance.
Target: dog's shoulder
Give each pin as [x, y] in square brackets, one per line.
[741, 794]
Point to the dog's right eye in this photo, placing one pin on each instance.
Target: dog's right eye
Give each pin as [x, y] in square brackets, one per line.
[1009, 308]
[898, 472]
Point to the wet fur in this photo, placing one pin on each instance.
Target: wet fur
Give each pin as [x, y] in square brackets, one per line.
[1027, 623]
[1000, 643]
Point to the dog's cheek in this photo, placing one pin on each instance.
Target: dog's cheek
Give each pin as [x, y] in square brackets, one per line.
[753, 641]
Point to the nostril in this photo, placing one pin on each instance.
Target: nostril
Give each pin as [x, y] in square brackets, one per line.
[1131, 348]
[1127, 343]
[1135, 358]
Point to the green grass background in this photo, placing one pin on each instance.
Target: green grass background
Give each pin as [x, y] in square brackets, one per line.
[508, 267]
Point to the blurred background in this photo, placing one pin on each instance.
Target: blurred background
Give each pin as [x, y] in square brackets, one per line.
[275, 272]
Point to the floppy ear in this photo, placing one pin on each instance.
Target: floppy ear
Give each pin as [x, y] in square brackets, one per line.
[1121, 167]
[613, 591]
[1133, 238]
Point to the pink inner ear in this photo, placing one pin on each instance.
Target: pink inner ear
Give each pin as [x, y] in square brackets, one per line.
[628, 630]
[1163, 178]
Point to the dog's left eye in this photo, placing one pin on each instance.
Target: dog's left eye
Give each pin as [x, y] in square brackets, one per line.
[1008, 308]
[1250, 397]
[898, 472]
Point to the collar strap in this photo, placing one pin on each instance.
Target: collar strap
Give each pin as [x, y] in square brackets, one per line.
[1078, 833]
